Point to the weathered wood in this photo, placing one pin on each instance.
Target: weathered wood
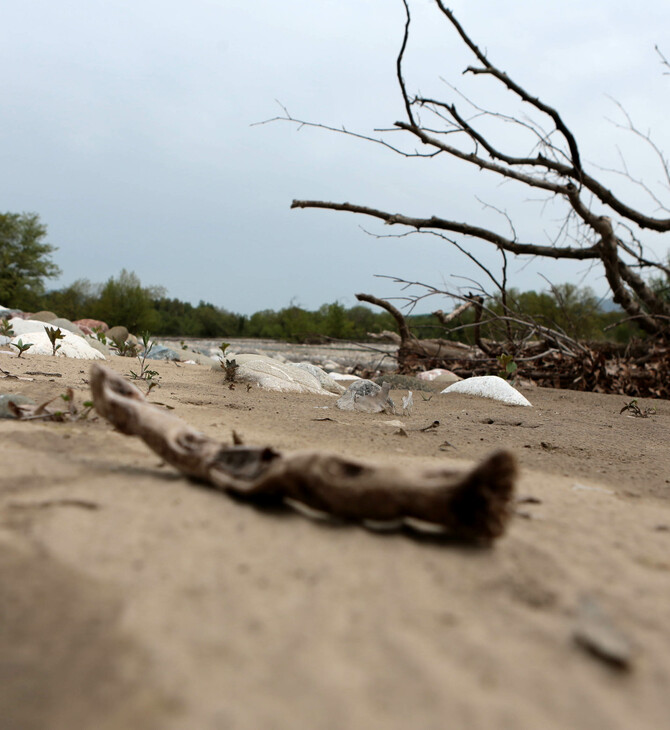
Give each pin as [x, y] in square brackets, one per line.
[470, 504]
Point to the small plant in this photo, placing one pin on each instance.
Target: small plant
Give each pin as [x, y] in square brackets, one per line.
[149, 376]
[21, 346]
[99, 334]
[507, 365]
[184, 346]
[54, 334]
[45, 411]
[124, 348]
[634, 410]
[229, 366]
[6, 328]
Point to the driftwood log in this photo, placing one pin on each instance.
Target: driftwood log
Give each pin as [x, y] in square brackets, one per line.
[410, 348]
[469, 505]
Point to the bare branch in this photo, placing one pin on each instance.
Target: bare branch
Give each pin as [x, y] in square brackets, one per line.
[401, 81]
[489, 68]
[664, 60]
[342, 130]
[481, 162]
[403, 329]
[455, 227]
[445, 319]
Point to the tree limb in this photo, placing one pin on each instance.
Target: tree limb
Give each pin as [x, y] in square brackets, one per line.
[442, 224]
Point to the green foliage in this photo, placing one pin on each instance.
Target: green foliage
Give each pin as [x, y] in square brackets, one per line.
[151, 377]
[24, 260]
[21, 346]
[6, 328]
[565, 308]
[54, 334]
[72, 302]
[124, 301]
[124, 348]
[507, 365]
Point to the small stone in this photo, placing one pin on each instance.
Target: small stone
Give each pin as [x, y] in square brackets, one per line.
[7, 398]
[366, 396]
[597, 634]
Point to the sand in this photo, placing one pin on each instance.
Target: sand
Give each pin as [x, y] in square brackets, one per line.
[132, 598]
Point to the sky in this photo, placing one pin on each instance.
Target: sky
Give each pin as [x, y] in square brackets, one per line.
[130, 128]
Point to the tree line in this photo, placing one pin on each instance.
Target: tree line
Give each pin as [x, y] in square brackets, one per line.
[124, 300]
[25, 264]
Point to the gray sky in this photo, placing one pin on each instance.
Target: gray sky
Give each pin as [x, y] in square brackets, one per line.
[127, 127]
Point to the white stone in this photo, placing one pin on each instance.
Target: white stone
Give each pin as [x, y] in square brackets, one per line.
[25, 326]
[270, 374]
[489, 386]
[367, 397]
[70, 346]
[440, 375]
[343, 376]
[325, 381]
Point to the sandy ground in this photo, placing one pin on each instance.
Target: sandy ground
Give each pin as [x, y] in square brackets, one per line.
[132, 598]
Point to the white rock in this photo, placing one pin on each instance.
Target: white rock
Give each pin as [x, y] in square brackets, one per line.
[439, 374]
[25, 326]
[325, 381]
[489, 386]
[366, 396]
[70, 346]
[283, 377]
[343, 376]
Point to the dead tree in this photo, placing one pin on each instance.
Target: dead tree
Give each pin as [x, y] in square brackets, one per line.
[609, 228]
[410, 348]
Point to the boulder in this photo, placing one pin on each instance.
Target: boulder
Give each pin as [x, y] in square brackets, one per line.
[160, 352]
[439, 375]
[44, 316]
[65, 324]
[70, 346]
[325, 381]
[193, 356]
[270, 374]
[117, 333]
[27, 326]
[489, 386]
[95, 343]
[88, 326]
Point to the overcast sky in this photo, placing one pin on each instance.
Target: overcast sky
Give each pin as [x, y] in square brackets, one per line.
[127, 126]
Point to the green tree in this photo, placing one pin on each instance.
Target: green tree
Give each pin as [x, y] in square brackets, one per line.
[125, 301]
[74, 301]
[24, 260]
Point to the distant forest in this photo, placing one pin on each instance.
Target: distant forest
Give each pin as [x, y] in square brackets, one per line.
[124, 300]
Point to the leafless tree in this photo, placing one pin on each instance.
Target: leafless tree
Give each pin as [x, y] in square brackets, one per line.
[610, 229]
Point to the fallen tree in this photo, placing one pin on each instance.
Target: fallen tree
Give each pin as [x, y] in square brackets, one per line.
[540, 354]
